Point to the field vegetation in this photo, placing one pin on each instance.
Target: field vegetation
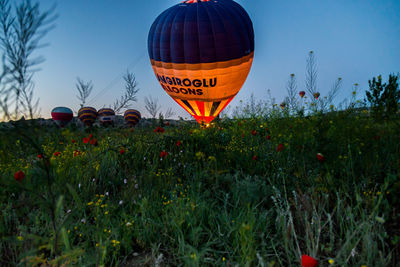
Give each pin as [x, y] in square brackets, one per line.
[249, 190]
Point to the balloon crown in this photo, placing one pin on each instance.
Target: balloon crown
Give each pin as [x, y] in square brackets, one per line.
[194, 1]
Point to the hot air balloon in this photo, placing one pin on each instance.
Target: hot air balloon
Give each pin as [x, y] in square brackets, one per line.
[132, 117]
[106, 116]
[62, 115]
[87, 115]
[201, 52]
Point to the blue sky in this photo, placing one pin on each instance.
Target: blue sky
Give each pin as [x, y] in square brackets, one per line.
[99, 40]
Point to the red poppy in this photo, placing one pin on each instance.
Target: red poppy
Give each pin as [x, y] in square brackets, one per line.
[77, 153]
[19, 176]
[316, 95]
[307, 261]
[39, 156]
[159, 130]
[280, 147]
[268, 137]
[56, 154]
[90, 136]
[167, 123]
[73, 141]
[122, 151]
[86, 140]
[320, 157]
[94, 142]
[254, 132]
[242, 135]
[255, 158]
[163, 154]
[302, 94]
[178, 143]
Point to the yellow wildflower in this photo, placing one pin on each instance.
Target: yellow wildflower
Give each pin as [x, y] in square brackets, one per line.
[194, 256]
[200, 155]
[331, 261]
[212, 158]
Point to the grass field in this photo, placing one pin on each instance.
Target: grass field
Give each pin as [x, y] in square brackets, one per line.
[245, 192]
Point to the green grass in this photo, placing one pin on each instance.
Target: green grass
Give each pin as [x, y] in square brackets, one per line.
[209, 201]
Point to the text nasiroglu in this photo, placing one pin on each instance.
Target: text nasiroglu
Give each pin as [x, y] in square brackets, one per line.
[185, 86]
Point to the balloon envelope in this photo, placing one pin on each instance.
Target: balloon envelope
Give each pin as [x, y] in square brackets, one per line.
[87, 115]
[201, 52]
[106, 116]
[62, 115]
[132, 116]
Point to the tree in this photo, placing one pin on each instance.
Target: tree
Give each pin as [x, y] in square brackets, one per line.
[20, 35]
[131, 90]
[151, 105]
[384, 98]
[169, 113]
[84, 90]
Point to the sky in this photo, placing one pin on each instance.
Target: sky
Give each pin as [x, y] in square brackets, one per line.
[100, 40]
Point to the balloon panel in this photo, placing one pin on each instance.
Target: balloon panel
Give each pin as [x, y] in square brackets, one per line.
[203, 32]
[61, 116]
[209, 84]
[106, 112]
[62, 110]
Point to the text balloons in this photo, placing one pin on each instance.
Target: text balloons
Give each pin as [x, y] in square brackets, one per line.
[62, 115]
[87, 115]
[132, 117]
[201, 52]
[106, 116]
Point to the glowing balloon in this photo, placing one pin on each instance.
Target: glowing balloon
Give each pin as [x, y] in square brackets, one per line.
[62, 115]
[87, 115]
[106, 116]
[201, 52]
[132, 117]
